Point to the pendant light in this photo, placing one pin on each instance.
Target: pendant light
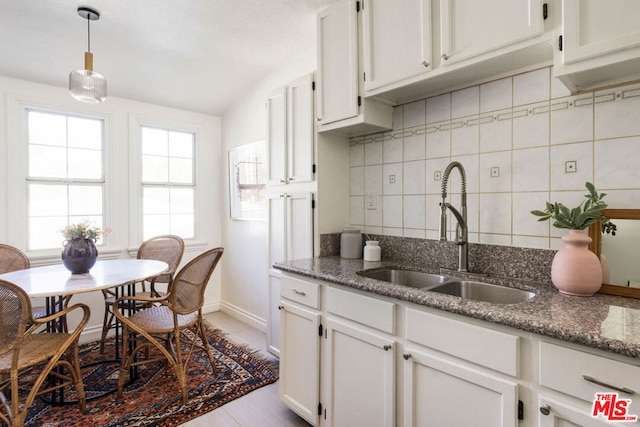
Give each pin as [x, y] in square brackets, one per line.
[87, 85]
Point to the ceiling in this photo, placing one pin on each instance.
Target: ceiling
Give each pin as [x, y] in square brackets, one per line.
[197, 55]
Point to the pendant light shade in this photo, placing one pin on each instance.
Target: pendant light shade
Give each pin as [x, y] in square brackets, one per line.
[86, 85]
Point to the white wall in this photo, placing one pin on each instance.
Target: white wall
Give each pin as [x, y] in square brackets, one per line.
[125, 237]
[245, 276]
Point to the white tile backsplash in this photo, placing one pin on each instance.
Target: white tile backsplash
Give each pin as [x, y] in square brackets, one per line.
[414, 114]
[465, 139]
[531, 87]
[531, 126]
[527, 126]
[496, 132]
[496, 95]
[439, 108]
[392, 148]
[465, 102]
[414, 177]
[414, 145]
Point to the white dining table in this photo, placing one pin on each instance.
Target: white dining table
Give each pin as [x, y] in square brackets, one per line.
[55, 280]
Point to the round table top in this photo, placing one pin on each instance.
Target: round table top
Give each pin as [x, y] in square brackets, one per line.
[54, 280]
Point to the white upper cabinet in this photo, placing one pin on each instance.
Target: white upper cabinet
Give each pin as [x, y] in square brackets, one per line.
[598, 43]
[470, 28]
[337, 63]
[341, 106]
[300, 129]
[388, 60]
[277, 136]
[419, 48]
[291, 132]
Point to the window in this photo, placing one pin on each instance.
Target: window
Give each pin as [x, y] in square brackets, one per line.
[168, 183]
[65, 178]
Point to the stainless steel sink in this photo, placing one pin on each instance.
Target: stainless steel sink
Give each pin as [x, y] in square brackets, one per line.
[413, 279]
[479, 291]
[465, 289]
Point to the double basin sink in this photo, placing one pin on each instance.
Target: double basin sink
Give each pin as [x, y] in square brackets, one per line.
[465, 289]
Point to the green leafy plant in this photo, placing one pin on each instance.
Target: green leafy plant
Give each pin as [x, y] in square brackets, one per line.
[84, 230]
[580, 217]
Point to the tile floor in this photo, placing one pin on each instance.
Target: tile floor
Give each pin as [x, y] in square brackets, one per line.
[262, 407]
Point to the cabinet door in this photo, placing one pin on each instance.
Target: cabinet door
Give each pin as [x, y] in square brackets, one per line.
[277, 227]
[299, 360]
[358, 378]
[471, 28]
[593, 28]
[300, 129]
[299, 225]
[553, 413]
[397, 41]
[438, 392]
[277, 136]
[337, 62]
[273, 320]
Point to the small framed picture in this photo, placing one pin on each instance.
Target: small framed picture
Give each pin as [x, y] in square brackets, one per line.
[248, 181]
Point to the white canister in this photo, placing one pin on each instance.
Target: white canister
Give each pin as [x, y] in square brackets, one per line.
[351, 243]
[372, 251]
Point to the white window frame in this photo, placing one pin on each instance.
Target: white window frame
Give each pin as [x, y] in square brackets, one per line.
[136, 122]
[18, 164]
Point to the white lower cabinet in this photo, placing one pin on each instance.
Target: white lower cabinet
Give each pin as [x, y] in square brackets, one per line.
[556, 413]
[300, 359]
[350, 358]
[358, 377]
[440, 392]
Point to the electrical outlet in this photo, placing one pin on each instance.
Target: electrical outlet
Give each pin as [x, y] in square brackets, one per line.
[495, 172]
[570, 166]
[371, 201]
[392, 179]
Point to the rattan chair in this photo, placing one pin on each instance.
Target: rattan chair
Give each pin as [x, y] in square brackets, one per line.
[163, 324]
[13, 259]
[21, 349]
[167, 248]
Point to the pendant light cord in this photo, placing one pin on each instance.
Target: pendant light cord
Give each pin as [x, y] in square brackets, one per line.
[88, 33]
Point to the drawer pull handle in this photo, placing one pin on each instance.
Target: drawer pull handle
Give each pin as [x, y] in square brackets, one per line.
[386, 347]
[612, 387]
[545, 409]
[425, 64]
[406, 356]
[280, 307]
[295, 291]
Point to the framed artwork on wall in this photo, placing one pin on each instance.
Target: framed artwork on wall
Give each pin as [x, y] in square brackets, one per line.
[248, 181]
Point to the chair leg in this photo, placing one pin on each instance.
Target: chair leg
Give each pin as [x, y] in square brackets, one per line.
[77, 377]
[180, 368]
[106, 324]
[124, 360]
[207, 347]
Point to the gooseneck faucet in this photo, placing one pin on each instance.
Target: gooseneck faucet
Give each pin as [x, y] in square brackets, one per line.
[461, 216]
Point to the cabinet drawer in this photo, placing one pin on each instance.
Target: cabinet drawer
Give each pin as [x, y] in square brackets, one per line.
[564, 369]
[362, 309]
[486, 347]
[301, 291]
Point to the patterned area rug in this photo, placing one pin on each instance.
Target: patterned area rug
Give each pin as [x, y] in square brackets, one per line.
[154, 398]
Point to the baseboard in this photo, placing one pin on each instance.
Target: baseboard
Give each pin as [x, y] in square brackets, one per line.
[244, 316]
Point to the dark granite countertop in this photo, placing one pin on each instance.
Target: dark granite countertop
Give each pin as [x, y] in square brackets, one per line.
[605, 322]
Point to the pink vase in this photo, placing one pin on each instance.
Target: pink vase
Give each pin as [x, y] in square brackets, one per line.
[575, 269]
